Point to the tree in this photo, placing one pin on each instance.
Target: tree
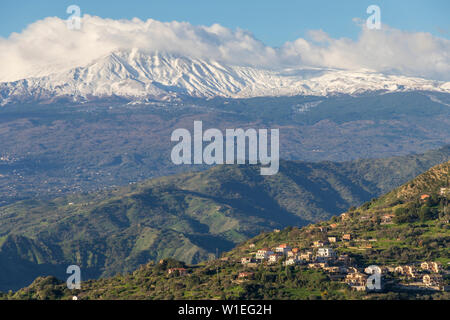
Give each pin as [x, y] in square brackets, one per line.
[403, 215]
[425, 214]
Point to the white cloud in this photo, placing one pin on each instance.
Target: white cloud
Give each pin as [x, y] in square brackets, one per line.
[48, 45]
[387, 50]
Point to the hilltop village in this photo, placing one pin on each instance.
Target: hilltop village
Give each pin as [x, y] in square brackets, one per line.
[341, 267]
[332, 248]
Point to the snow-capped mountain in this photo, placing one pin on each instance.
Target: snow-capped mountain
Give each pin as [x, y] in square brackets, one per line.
[138, 76]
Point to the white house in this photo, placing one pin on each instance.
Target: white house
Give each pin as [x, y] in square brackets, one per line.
[290, 262]
[273, 258]
[326, 253]
[434, 280]
[263, 254]
[283, 249]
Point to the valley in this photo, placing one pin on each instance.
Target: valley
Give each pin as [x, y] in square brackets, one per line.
[403, 235]
[187, 216]
[58, 149]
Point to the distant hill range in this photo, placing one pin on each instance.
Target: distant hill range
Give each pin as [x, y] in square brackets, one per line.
[186, 216]
[60, 148]
[405, 229]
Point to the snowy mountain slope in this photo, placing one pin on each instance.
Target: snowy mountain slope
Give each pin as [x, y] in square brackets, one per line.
[136, 76]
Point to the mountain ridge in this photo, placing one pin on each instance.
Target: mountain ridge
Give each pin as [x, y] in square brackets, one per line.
[412, 256]
[144, 77]
[186, 216]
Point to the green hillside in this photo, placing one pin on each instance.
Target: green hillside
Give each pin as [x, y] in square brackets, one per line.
[417, 231]
[186, 216]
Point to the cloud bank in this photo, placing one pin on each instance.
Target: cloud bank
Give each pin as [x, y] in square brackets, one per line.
[48, 46]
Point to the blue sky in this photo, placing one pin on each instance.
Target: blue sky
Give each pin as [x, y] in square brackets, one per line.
[273, 22]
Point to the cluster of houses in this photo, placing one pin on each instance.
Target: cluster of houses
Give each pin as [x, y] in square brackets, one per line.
[340, 267]
[318, 255]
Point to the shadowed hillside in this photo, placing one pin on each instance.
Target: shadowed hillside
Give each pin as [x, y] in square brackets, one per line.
[395, 233]
[186, 216]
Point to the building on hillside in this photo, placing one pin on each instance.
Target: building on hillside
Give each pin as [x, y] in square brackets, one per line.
[179, 271]
[245, 275]
[283, 248]
[444, 191]
[317, 265]
[399, 269]
[436, 267]
[332, 239]
[434, 280]
[409, 271]
[263, 254]
[387, 219]
[424, 197]
[344, 259]
[373, 269]
[326, 253]
[274, 258]
[356, 280]
[347, 237]
[247, 260]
